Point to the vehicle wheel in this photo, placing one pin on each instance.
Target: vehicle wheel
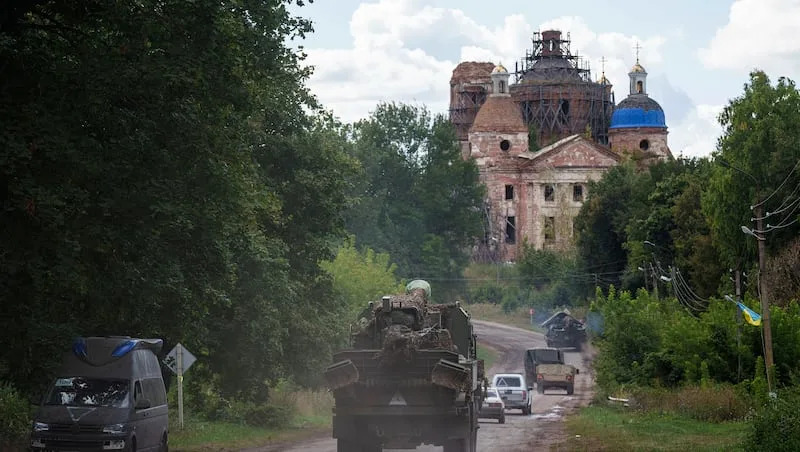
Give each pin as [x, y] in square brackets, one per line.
[540, 388]
[526, 410]
[571, 389]
[502, 419]
[133, 444]
[164, 447]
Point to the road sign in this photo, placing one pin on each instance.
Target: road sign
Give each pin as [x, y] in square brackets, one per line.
[178, 360]
[530, 311]
[171, 360]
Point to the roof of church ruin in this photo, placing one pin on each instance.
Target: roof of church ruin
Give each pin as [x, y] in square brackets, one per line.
[499, 114]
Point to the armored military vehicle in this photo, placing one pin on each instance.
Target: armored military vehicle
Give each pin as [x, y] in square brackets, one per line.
[564, 330]
[412, 377]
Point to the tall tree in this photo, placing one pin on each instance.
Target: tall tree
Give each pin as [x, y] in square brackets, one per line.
[761, 140]
[160, 177]
[419, 199]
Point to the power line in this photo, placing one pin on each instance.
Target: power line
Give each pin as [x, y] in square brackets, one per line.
[777, 189]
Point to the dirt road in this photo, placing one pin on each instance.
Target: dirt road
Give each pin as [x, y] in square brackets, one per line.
[537, 431]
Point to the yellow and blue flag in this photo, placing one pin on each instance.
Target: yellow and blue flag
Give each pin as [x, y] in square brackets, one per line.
[749, 315]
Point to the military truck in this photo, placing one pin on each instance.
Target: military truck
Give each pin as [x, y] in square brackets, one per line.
[547, 368]
[564, 330]
[411, 377]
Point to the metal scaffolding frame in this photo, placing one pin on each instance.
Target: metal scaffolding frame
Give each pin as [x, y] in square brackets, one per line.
[556, 93]
[468, 101]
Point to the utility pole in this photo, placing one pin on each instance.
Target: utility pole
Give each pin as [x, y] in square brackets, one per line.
[762, 289]
[762, 257]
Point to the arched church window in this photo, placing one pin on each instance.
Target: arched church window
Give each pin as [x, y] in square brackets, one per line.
[644, 145]
[502, 88]
[639, 87]
[564, 106]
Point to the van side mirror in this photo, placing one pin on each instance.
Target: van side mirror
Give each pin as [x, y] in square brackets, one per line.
[530, 389]
[142, 404]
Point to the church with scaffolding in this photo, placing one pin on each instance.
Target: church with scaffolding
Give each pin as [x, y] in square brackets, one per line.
[538, 141]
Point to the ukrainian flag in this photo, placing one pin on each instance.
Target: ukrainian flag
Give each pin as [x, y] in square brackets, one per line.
[750, 315]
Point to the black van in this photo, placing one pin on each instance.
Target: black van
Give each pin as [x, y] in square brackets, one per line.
[109, 395]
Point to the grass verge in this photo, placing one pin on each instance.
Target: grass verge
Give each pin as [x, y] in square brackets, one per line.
[488, 355]
[607, 428]
[494, 313]
[199, 435]
[312, 416]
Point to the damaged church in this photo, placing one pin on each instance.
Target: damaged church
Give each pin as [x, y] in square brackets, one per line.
[538, 141]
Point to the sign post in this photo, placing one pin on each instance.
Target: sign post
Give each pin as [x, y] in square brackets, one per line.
[180, 385]
[179, 360]
[531, 313]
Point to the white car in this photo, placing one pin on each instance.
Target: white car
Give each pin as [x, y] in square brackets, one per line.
[493, 406]
[514, 391]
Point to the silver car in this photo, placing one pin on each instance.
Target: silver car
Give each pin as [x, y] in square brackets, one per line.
[493, 406]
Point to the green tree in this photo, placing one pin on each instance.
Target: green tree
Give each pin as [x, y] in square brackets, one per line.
[362, 276]
[761, 136]
[419, 200]
[161, 177]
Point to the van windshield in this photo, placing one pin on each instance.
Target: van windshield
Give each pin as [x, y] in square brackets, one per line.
[81, 391]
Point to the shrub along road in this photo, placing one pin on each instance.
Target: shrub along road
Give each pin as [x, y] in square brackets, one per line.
[543, 428]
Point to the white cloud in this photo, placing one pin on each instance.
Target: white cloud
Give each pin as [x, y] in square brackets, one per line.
[696, 135]
[759, 34]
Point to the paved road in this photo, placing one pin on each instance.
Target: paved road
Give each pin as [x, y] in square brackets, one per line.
[536, 431]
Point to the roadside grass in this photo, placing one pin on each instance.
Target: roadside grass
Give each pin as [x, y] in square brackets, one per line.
[611, 428]
[488, 355]
[312, 416]
[494, 313]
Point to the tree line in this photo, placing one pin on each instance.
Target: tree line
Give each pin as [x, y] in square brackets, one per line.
[165, 172]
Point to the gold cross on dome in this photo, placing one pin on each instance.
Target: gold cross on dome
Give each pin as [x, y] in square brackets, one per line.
[637, 47]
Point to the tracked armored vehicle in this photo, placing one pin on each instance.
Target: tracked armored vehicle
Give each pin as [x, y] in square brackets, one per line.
[412, 377]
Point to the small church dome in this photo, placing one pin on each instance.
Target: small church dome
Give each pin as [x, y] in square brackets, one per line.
[499, 69]
[638, 68]
[638, 110]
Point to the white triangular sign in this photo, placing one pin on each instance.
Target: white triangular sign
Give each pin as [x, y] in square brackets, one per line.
[397, 399]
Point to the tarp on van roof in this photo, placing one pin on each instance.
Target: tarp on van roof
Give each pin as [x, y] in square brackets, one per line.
[140, 362]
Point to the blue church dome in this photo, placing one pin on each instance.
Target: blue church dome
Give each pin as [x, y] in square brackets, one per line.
[638, 110]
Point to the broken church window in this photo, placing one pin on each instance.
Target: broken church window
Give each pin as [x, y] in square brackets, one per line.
[549, 193]
[509, 192]
[511, 230]
[577, 193]
[549, 229]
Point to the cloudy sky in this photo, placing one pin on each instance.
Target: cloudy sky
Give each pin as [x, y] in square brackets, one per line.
[697, 53]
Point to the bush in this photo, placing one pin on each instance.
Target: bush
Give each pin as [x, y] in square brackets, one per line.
[776, 425]
[486, 293]
[15, 414]
[259, 414]
[713, 403]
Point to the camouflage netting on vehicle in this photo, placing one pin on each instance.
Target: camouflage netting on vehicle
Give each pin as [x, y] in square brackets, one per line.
[400, 343]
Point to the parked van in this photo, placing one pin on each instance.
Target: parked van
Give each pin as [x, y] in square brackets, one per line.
[109, 395]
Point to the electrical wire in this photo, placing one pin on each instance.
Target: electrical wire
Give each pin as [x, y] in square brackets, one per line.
[779, 187]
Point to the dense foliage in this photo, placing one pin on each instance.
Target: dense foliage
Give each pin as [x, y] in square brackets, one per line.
[419, 200]
[361, 276]
[160, 176]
